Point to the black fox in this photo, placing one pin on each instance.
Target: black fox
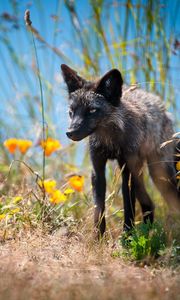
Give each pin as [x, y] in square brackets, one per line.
[129, 125]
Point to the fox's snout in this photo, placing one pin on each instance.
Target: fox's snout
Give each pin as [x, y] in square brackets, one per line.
[72, 134]
[69, 134]
[75, 134]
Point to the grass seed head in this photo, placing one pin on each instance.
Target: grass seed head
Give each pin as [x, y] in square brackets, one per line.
[27, 18]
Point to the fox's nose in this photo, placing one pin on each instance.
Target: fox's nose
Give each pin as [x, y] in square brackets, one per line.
[70, 134]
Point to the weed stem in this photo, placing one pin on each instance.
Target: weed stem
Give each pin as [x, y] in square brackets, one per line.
[28, 24]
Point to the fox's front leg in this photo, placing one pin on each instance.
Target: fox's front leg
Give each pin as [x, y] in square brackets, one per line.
[99, 190]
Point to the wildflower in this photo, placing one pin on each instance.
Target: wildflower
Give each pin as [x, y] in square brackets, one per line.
[77, 182]
[17, 199]
[2, 216]
[49, 185]
[68, 191]
[11, 145]
[14, 211]
[50, 145]
[17, 144]
[57, 197]
[24, 145]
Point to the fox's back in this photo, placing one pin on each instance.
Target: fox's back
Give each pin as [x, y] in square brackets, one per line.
[139, 124]
[148, 110]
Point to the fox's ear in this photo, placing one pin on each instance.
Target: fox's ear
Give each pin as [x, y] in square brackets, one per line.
[110, 86]
[73, 81]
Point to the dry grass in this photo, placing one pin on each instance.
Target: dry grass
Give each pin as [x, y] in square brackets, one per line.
[61, 266]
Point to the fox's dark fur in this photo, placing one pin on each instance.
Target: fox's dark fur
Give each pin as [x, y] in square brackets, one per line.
[128, 125]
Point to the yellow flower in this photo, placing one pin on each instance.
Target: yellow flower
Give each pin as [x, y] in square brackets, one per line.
[49, 185]
[178, 166]
[2, 216]
[68, 191]
[57, 197]
[14, 211]
[17, 199]
[50, 145]
[77, 182]
[24, 145]
[11, 145]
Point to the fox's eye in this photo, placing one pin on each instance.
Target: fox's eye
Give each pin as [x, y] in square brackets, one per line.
[93, 110]
[70, 113]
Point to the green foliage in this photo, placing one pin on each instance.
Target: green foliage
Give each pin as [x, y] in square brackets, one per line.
[145, 240]
[175, 253]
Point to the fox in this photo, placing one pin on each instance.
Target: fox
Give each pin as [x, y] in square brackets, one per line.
[127, 124]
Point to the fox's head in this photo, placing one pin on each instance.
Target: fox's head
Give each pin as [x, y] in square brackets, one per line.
[90, 103]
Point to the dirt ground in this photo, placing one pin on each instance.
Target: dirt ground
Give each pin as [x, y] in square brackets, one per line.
[58, 266]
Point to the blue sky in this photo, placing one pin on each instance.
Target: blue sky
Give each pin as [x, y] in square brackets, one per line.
[19, 88]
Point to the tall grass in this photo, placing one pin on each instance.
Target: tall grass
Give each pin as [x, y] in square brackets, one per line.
[31, 29]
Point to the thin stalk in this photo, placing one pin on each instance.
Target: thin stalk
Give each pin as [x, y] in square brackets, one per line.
[28, 23]
[42, 104]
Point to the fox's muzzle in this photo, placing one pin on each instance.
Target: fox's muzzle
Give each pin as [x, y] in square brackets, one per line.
[78, 134]
[80, 128]
[75, 135]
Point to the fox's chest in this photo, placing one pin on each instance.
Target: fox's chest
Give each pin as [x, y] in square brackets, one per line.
[109, 142]
[115, 143]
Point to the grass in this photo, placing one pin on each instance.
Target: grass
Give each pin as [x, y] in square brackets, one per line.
[71, 266]
[56, 256]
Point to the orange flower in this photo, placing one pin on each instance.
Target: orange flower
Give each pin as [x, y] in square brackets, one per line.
[77, 182]
[50, 145]
[24, 145]
[11, 145]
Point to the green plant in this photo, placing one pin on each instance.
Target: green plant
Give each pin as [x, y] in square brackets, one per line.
[145, 240]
